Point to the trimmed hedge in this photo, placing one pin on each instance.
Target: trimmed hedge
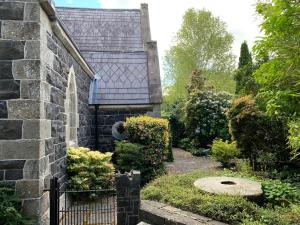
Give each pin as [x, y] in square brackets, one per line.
[89, 169]
[150, 131]
[147, 159]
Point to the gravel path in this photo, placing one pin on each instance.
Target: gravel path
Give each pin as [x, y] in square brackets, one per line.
[185, 162]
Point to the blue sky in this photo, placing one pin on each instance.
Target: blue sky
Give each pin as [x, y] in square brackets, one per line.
[78, 3]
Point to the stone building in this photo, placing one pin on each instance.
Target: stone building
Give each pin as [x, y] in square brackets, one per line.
[59, 68]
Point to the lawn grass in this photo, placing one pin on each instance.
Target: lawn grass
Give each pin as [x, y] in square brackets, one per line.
[179, 191]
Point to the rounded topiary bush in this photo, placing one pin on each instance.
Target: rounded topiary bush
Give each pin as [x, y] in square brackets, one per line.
[206, 116]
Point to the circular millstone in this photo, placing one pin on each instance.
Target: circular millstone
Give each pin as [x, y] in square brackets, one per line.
[230, 186]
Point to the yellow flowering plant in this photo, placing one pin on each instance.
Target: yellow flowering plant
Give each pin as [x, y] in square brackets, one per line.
[89, 169]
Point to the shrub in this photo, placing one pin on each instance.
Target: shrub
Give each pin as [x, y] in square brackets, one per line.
[279, 193]
[147, 159]
[186, 144]
[11, 206]
[200, 151]
[206, 116]
[260, 138]
[89, 169]
[294, 137]
[224, 151]
[154, 132]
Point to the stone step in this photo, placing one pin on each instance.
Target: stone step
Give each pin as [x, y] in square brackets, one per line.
[143, 223]
[157, 213]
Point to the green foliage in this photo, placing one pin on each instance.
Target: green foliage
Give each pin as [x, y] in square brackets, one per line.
[294, 137]
[150, 131]
[186, 143]
[174, 112]
[89, 169]
[279, 193]
[202, 43]
[224, 151]
[10, 207]
[147, 159]
[180, 192]
[260, 138]
[200, 151]
[206, 117]
[279, 77]
[245, 55]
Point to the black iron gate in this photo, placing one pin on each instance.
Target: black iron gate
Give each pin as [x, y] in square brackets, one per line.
[83, 207]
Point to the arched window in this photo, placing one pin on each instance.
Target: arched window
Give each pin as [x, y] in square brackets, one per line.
[71, 106]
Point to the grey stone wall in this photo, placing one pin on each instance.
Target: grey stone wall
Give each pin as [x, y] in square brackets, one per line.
[34, 68]
[106, 119]
[128, 197]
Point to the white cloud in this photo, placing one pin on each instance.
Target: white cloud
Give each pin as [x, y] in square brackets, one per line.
[166, 17]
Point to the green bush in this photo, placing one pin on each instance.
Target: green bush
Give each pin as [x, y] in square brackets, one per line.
[148, 160]
[200, 151]
[206, 116]
[261, 139]
[89, 169]
[186, 144]
[279, 193]
[294, 137]
[174, 112]
[10, 207]
[150, 131]
[224, 151]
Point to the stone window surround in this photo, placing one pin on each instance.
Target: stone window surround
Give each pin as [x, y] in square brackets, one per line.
[71, 106]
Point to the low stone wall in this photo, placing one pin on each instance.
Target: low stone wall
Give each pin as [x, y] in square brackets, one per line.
[157, 213]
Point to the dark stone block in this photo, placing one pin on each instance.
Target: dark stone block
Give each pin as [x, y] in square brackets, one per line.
[11, 129]
[9, 89]
[11, 50]
[13, 174]
[11, 11]
[12, 164]
[3, 109]
[57, 97]
[32, 12]
[1, 175]
[51, 44]
[6, 70]
[19, 30]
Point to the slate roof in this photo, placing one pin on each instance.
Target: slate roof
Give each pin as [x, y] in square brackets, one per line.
[112, 44]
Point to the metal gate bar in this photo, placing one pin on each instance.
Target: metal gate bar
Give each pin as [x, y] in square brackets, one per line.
[82, 207]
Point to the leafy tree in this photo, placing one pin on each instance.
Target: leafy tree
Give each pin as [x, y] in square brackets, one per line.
[202, 43]
[279, 77]
[245, 56]
[245, 82]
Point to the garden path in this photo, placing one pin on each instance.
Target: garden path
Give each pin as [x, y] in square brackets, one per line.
[185, 162]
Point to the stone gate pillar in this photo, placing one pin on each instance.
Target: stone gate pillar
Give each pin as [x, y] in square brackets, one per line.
[128, 197]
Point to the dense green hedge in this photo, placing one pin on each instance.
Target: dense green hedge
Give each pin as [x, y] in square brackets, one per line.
[89, 169]
[206, 116]
[147, 159]
[260, 138]
[150, 131]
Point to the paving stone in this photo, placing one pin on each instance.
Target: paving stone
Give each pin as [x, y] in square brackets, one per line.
[11, 10]
[6, 69]
[3, 109]
[17, 30]
[11, 50]
[11, 129]
[9, 89]
[160, 214]
[13, 175]
[12, 164]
